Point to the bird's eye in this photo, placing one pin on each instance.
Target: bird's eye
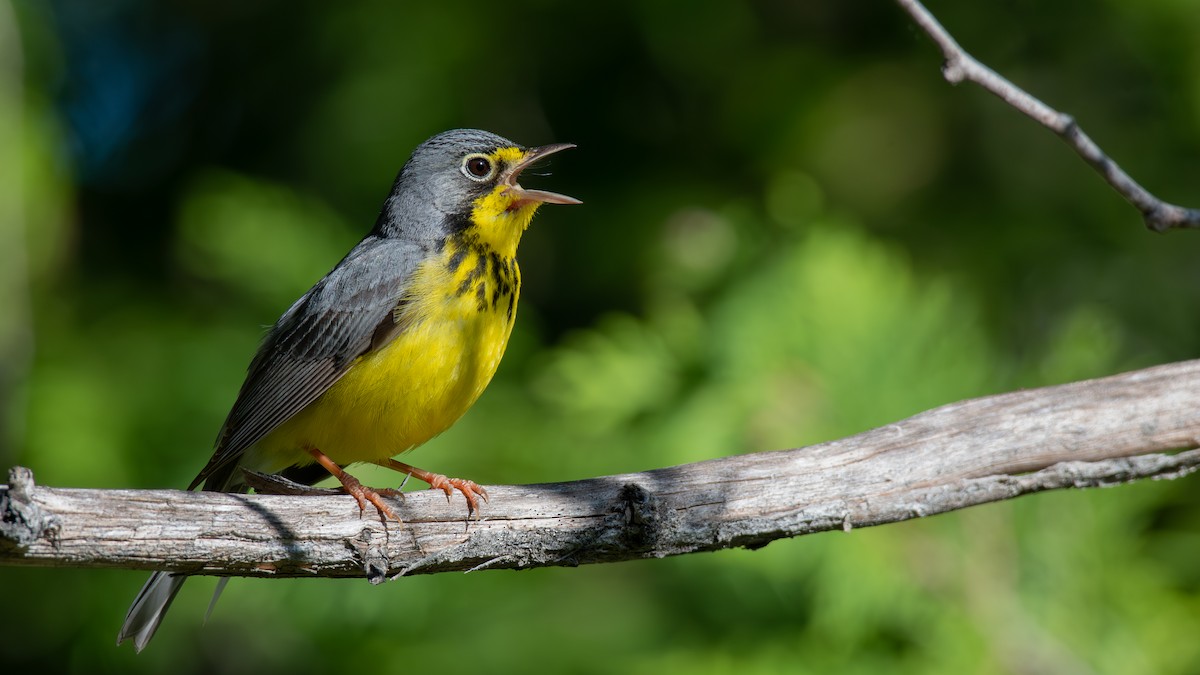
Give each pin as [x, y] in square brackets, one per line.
[478, 167]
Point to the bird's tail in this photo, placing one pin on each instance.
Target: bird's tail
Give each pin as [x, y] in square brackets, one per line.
[149, 608]
[152, 603]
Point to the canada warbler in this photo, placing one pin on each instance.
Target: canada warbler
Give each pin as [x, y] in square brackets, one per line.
[392, 346]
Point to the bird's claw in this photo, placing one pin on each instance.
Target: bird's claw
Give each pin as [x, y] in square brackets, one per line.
[471, 491]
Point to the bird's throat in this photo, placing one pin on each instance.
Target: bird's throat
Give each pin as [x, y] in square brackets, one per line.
[499, 218]
[480, 272]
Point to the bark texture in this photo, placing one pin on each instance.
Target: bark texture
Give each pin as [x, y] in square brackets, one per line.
[1143, 424]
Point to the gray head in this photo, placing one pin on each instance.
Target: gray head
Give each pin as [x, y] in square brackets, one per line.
[459, 177]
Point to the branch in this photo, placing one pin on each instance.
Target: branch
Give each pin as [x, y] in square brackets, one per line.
[960, 66]
[1095, 433]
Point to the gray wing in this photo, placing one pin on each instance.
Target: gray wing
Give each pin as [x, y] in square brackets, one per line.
[351, 311]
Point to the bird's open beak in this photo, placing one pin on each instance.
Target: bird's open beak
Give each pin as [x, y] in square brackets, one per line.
[524, 196]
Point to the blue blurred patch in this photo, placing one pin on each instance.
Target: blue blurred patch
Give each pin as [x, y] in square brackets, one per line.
[132, 72]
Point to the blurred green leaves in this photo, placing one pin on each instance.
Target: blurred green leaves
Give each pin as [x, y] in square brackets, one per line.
[261, 239]
[609, 375]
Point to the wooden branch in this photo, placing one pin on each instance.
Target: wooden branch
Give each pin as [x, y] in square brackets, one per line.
[1086, 434]
[960, 66]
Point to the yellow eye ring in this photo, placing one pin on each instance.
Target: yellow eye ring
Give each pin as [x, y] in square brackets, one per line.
[478, 167]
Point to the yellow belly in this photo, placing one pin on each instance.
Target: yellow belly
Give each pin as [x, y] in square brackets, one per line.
[405, 393]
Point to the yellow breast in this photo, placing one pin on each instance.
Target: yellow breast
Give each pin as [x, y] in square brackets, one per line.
[456, 319]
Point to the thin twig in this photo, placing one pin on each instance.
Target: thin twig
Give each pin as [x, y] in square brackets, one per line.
[1117, 429]
[960, 66]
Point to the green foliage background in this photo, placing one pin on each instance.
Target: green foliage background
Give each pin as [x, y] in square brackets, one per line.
[793, 231]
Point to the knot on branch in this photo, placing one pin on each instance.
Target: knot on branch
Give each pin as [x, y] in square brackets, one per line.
[370, 547]
[1160, 217]
[644, 519]
[22, 521]
[954, 71]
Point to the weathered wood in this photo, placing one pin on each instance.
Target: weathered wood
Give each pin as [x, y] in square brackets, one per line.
[1086, 434]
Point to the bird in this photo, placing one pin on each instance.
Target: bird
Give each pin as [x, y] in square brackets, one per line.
[391, 347]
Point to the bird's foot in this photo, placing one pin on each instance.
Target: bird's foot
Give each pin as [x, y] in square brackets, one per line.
[471, 491]
[361, 493]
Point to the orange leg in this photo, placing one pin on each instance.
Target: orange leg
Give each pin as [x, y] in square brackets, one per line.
[361, 493]
[471, 490]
